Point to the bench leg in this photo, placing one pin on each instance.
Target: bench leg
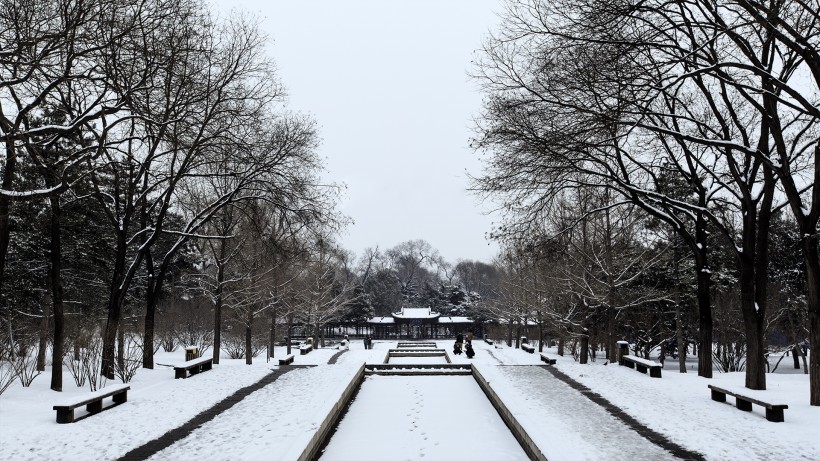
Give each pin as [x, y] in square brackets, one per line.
[122, 397]
[194, 370]
[65, 416]
[180, 373]
[655, 372]
[629, 364]
[640, 368]
[206, 366]
[718, 396]
[744, 405]
[774, 415]
[94, 407]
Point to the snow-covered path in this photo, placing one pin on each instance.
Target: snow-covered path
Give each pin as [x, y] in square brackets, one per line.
[273, 423]
[564, 423]
[421, 418]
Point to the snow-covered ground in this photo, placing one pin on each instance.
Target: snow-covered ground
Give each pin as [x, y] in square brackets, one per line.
[421, 417]
[276, 421]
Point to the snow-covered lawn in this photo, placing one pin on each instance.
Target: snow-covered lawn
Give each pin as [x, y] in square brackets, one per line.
[276, 421]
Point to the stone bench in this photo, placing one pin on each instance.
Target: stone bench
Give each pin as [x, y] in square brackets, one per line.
[194, 366]
[642, 365]
[528, 348]
[286, 360]
[92, 402]
[546, 359]
[305, 349]
[774, 412]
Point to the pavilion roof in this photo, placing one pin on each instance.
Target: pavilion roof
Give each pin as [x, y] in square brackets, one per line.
[416, 313]
[448, 319]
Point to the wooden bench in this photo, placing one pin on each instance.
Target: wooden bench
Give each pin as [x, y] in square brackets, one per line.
[528, 348]
[488, 341]
[642, 365]
[287, 360]
[194, 366]
[92, 402]
[774, 412]
[305, 349]
[547, 360]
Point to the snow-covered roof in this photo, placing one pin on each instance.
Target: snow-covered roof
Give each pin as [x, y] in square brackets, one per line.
[381, 320]
[447, 319]
[416, 313]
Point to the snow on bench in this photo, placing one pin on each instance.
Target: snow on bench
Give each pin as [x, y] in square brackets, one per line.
[528, 348]
[744, 401]
[546, 359]
[305, 349]
[194, 366]
[286, 360]
[92, 402]
[642, 365]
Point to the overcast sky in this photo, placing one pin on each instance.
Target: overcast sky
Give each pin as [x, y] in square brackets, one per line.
[387, 82]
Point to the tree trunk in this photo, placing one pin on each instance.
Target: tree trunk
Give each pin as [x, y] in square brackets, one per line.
[290, 332]
[584, 352]
[681, 343]
[121, 347]
[115, 300]
[561, 346]
[220, 278]
[752, 312]
[703, 275]
[153, 289]
[272, 338]
[248, 339]
[55, 277]
[705, 329]
[662, 352]
[796, 357]
[809, 244]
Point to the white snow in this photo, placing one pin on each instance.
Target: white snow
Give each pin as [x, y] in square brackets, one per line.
[422, 417]
[276, 422]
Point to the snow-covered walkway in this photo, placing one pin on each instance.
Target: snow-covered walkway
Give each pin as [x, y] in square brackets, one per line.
[563, 422]
[276, 421]
[421, 417]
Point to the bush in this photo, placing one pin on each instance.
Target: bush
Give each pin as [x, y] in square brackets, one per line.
[87, 367]
[132, 358]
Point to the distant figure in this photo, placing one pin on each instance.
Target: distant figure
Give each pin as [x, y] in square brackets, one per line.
[468, 350]
[470, 335]
[459, 338]
[457, 348]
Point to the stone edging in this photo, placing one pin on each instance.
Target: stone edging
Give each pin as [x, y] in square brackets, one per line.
[313, 448]
[529, 446]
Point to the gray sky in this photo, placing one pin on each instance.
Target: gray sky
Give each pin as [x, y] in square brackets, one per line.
[387, 83]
